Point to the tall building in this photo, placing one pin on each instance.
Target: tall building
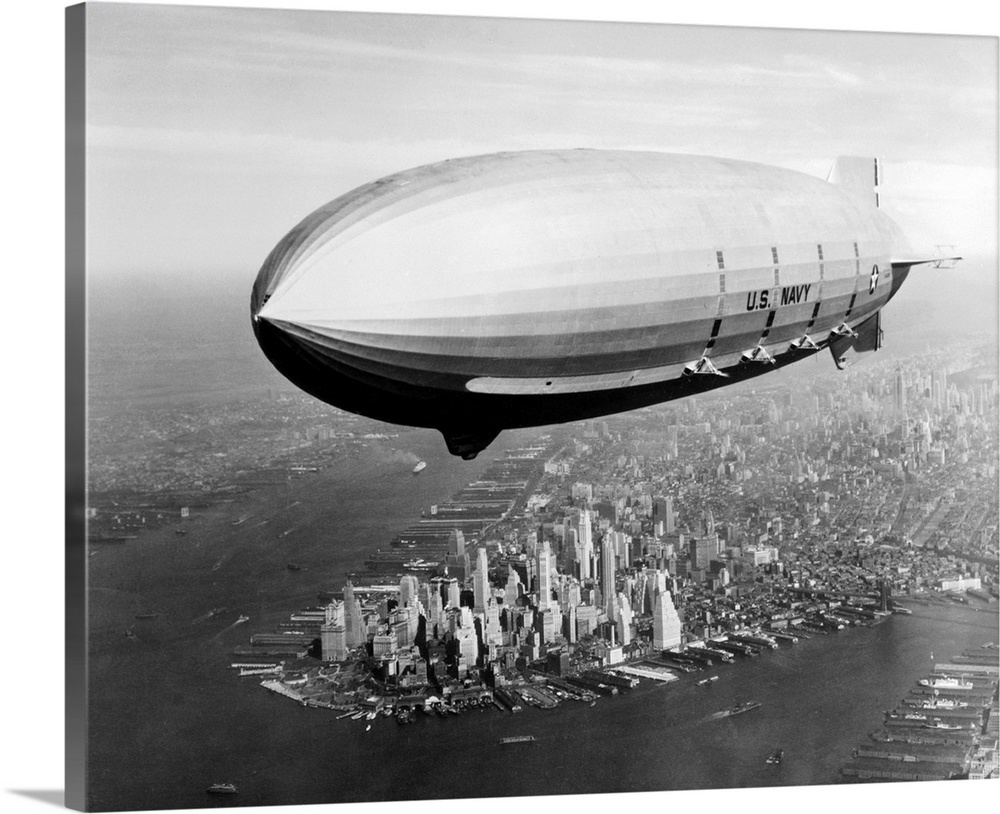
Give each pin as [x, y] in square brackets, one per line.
[333, 634]
[666, 623]
[663, 512]
[585, 543]
[624, 622]
[899, 391]
[513, 587]
[492, 633]
[408, 587]
[481, 581]
[608, 578]
[354, 623]
[703, 550]
[435, 611]
[454, 593]
[544, 577]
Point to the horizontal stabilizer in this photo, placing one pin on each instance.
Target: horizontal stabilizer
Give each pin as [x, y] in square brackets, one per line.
[939, 262]
[860, 177]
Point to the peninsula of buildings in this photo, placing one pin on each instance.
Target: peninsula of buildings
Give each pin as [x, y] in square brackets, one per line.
[671, 540]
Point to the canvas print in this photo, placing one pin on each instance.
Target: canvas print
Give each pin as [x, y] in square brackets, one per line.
[490, 407]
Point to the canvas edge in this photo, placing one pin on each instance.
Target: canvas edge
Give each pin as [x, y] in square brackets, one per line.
[75, 405]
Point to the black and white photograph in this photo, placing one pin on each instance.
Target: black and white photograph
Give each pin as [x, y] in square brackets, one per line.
[492, 408]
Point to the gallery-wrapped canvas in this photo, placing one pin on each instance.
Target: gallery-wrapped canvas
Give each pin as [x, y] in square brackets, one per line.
[468, 407]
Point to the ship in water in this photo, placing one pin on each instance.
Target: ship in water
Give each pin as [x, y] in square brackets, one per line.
[738, 709]
[706, 681]
[242, 619]
[518, 739]
[946, 683]
[420, 467]
[221, 788]
[775, 757]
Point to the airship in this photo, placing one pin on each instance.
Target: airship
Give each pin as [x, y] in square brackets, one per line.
[522, 289]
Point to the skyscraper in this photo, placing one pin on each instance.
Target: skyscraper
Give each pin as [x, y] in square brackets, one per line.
[663, 513]
[899, 391]
[608, 579]
[666, 623]
[481, 581]
[408, 586]
[585, 543]
[513, 587]
[353, 618]
[624, 620]
[333, 635]
[544, 577]
[454, 593]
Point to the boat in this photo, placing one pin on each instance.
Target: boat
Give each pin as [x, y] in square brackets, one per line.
[221, 788]
[518, 739]
[746, 706]
[294, 566]
[146, 615]
[420, 467]
[946, 683]
[242, 619]
[944, 703]
[941, 725]
[706, 681]
[776, 756]
[420, 564]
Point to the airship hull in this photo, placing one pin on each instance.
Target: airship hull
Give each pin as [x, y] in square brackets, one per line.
[533, 288]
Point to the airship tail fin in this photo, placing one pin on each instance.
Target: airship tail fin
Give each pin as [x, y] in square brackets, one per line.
[861, 177]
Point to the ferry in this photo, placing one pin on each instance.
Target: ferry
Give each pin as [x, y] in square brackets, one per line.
[746, 706]
[420, 467]
[221, 788]
[518, 739]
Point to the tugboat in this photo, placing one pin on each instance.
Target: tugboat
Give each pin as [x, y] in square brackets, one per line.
[776, 756]
[221, 788]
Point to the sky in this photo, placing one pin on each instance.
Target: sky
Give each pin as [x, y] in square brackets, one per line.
[212, 131]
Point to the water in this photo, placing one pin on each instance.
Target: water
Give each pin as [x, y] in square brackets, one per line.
[191, 722]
